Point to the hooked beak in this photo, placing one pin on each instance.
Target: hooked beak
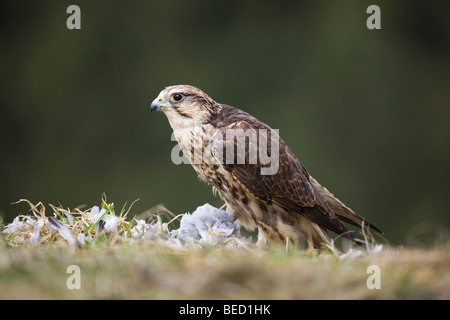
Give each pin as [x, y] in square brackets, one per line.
[156, 106]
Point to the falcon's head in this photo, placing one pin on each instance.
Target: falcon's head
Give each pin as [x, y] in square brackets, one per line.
[184, 103]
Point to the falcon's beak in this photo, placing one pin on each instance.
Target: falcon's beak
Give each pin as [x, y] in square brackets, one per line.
[156, 105]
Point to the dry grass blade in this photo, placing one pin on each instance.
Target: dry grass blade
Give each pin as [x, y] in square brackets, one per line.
[155, 211]
[38, 213]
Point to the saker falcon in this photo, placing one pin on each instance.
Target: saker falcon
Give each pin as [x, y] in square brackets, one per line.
[283, 204]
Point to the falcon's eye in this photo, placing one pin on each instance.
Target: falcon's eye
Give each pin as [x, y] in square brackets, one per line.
[177, 97]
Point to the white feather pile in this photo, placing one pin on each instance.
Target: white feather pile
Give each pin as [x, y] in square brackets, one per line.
[206, 226]
[210, 226]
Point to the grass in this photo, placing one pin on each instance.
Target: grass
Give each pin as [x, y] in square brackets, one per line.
[147, 269]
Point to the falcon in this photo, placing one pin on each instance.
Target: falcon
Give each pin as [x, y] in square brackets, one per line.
[270, 190]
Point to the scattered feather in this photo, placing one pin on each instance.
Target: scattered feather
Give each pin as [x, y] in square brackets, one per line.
[82, 239]
[62, 229]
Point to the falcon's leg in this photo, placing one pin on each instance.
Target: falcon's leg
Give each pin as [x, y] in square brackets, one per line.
[323, 238]
[262, 239]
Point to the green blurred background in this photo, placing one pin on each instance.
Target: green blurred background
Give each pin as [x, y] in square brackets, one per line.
[366, 111]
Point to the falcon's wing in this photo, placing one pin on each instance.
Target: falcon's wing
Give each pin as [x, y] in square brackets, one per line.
[290, 187]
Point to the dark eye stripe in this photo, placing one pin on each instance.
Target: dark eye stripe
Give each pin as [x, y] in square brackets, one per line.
[181, 113]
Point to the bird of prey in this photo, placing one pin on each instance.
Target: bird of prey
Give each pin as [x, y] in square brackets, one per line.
[284, 202]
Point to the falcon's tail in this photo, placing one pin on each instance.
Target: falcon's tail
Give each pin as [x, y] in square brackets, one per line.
[343, 212]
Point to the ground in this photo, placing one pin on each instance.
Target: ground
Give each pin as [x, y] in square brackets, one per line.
[201, 257]
[151, 270]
